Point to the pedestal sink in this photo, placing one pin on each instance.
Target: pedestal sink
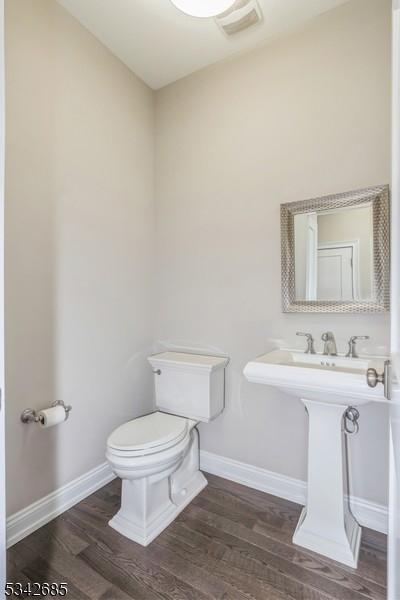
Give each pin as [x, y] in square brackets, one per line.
[327, 386]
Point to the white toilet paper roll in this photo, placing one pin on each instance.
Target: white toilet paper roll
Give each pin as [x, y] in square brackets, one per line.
[49, 417]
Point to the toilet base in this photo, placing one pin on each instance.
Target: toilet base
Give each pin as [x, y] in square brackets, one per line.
[150, 503]
[143, 531]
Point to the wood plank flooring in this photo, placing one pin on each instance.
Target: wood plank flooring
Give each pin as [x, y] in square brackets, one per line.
[230, 543]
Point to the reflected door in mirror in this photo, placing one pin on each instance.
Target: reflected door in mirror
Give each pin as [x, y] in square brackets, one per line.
[335, 273]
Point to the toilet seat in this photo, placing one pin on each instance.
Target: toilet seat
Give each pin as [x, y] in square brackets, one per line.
[150, 434]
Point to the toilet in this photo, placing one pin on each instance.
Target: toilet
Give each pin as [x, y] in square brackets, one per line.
[157, 455]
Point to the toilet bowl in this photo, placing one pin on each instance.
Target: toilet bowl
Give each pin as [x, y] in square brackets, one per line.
[157, 455]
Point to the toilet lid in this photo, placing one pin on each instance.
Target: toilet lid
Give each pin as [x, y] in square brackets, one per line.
[150, 431]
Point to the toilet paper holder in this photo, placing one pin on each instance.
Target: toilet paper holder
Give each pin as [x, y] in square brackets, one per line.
[30, 415]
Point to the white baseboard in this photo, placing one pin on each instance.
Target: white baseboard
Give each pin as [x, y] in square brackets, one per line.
[39, 513]
[369, 514]
[27, 520]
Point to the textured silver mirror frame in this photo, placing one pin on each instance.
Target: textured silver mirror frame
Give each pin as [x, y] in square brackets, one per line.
[379, 196]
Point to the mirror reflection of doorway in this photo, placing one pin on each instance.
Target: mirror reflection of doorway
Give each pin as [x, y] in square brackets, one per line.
[336, 273]
[311, 256]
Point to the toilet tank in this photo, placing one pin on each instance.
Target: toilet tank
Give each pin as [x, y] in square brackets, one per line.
[189, 385]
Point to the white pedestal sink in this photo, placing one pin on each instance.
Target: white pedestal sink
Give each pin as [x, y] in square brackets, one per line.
[327, 386]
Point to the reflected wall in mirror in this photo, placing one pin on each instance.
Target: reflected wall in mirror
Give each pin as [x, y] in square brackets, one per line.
[335, 253]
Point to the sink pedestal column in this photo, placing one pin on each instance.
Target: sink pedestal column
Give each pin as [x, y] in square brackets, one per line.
[326, 524]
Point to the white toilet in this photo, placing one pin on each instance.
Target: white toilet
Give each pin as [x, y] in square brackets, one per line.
[157, 456]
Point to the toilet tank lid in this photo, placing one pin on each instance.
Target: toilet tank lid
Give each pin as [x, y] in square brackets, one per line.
[185, 360]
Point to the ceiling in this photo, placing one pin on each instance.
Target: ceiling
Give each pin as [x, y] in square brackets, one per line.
[161, 44]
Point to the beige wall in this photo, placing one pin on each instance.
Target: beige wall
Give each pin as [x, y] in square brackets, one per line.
[79, 245]
[304, 117]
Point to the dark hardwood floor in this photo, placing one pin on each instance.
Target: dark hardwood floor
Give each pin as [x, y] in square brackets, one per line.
[230, 543]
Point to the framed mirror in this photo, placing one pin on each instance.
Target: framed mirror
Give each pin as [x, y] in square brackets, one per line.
[336, 253]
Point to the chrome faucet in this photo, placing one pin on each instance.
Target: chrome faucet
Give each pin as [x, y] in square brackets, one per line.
[330, 344]
[310, 342]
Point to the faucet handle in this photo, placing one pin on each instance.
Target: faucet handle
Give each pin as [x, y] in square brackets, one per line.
[306, 335]
[310, 342]
[352, 345]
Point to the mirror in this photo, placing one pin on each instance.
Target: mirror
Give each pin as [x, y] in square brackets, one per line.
[335, 253]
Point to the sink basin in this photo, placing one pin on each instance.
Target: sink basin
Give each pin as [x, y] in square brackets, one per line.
[334, 379]
[327, 386]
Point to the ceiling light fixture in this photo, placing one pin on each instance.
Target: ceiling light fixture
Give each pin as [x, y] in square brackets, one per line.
[203, 8]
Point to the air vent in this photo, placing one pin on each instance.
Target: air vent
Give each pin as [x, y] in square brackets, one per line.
[242, 15]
